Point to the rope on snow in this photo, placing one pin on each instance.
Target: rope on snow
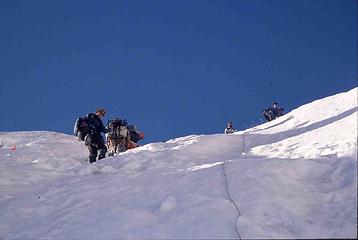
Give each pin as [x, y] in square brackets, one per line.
[228, 188]
[231, 200]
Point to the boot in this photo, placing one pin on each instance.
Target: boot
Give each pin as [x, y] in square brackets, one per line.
[92, 158]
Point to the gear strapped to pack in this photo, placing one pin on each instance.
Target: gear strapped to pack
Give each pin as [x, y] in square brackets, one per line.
[82, 128]
[116, 129]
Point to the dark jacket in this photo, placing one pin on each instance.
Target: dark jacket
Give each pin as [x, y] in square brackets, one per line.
[278, 112]
[96, 124]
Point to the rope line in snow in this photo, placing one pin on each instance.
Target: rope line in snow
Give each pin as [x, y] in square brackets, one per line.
[228, 188]
[231, 200]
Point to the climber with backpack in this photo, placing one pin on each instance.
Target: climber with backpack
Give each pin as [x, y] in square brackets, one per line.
[117, 136]
[89, 130]
[229, 129]
[273, 112]
[122, 136]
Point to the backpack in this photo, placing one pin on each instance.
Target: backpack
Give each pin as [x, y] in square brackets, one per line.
[82, 128]
[116, 129]
[135, 136]
[132, 128]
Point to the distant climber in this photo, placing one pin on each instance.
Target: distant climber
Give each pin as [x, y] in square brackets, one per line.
[273, 112]
[122, 136]
[229, 129]
[89, 129]
[117, 136]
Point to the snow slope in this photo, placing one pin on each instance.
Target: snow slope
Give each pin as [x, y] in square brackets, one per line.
[295, 177]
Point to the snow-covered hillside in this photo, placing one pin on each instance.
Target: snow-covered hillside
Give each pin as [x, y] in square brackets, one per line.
[295, 177]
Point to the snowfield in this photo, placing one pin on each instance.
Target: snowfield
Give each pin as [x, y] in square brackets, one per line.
[295, 177]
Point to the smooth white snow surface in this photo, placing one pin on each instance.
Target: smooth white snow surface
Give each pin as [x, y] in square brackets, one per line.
[295, 177]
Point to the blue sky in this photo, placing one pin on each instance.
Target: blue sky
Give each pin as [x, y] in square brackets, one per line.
[172, 67]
